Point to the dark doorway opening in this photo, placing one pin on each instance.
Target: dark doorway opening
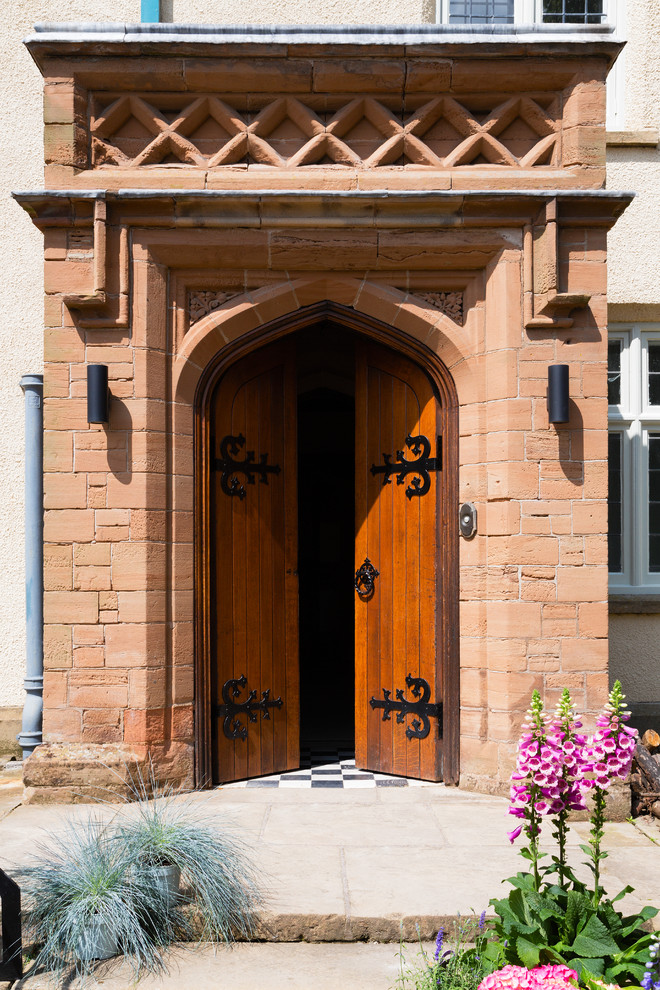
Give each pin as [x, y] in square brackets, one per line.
[326, 534]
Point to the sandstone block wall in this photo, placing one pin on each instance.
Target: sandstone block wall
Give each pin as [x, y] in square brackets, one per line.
[500, 270]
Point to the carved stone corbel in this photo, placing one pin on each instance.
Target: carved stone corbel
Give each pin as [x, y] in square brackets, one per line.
[201, 302]
[449, 303]
[110, 312]
[545, 306]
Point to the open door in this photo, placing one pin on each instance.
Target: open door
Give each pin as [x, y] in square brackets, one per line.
[255, 668]
[398, 673]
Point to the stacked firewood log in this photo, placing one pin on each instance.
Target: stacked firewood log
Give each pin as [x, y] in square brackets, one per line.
[645, 776]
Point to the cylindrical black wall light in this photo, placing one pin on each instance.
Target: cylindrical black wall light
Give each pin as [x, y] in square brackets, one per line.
[97, 393]
[558, 393]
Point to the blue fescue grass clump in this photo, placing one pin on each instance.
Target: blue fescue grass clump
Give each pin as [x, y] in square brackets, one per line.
[103, 876]
[164, 828]
[83, 880]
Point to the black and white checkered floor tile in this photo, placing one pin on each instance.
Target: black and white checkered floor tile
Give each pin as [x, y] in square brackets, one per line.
[329, 770]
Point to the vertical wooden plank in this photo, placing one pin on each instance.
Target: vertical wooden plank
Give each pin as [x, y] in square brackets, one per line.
[429, 649]
[384, 562]
[252, 505]
[376, 505]
[288, 579]
[267, 426]
[240, 610]
[223, 648]
[408, 540]
[361, 525]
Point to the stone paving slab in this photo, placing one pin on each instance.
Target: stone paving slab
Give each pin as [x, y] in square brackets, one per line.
[272, 966]
[368, 864]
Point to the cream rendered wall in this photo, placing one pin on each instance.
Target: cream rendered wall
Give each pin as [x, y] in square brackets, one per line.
[634, 249]
[293, 12]
[634, 281]
[21, 260]
[634, 243]
[21, 265]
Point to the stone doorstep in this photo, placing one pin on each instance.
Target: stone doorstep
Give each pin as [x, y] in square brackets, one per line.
[343, 928]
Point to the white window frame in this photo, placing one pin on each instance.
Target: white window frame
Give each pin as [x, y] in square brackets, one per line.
[531, 12]
[635, 419]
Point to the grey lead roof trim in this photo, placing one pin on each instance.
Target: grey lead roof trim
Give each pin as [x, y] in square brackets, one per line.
[285, 34]
[328, 194]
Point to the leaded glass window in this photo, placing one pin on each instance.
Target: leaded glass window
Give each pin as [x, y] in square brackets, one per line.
[614, 502]
[573, 11]
[654, 502]
[654, 374]
[614, 373]
[633, 387]
[481, 11]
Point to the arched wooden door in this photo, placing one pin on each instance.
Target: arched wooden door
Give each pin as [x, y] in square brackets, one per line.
[398, 669]
[400, 529]
[255, 725]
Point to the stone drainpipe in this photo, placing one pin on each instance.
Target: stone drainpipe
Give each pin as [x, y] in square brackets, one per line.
[30, 735]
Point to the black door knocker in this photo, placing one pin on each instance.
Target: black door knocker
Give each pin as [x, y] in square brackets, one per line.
[365, 576]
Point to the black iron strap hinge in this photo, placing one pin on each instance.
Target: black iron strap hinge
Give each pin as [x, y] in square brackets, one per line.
[230, 467]
[229, 712]
[423, 708]
[420, 468]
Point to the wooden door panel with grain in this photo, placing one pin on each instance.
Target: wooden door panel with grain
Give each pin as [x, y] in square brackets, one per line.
[398, 420]
[255, 563]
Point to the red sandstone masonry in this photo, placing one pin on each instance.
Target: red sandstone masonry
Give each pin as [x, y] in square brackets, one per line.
[119, 603]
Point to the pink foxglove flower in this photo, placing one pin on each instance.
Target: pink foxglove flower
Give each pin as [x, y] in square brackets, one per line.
[612, 749]
[535, 783]
[569, 752]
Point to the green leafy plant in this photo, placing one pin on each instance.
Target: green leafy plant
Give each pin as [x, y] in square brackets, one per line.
[543, 922]
[564, 926]
[456, 962]
[164, 828]
[83, 883]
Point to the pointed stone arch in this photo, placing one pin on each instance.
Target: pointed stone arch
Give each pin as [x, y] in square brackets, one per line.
[227, 334]
[242, 320]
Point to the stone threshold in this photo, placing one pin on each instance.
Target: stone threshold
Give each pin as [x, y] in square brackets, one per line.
[314, 927]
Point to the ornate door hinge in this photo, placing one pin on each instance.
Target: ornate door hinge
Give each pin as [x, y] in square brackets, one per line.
[229, 447]
[423, 708]
[231, 689]
[421, 466]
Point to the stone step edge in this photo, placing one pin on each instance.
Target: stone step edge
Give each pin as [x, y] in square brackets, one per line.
[274, 927]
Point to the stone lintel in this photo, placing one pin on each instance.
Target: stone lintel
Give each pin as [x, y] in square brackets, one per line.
[291, 208]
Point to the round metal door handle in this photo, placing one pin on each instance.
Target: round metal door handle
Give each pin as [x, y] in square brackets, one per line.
[365, 576]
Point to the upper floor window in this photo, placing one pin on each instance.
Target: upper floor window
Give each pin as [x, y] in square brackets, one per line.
[569, 12]
[573, 11]
[633, 388]
[521, 11]
[481, 11]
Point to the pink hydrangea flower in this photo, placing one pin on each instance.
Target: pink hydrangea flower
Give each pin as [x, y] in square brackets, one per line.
[540, 978]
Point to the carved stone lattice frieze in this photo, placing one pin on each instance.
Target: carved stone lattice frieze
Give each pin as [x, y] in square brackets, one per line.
[202, 302]
[205, 131]
[449, 303]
